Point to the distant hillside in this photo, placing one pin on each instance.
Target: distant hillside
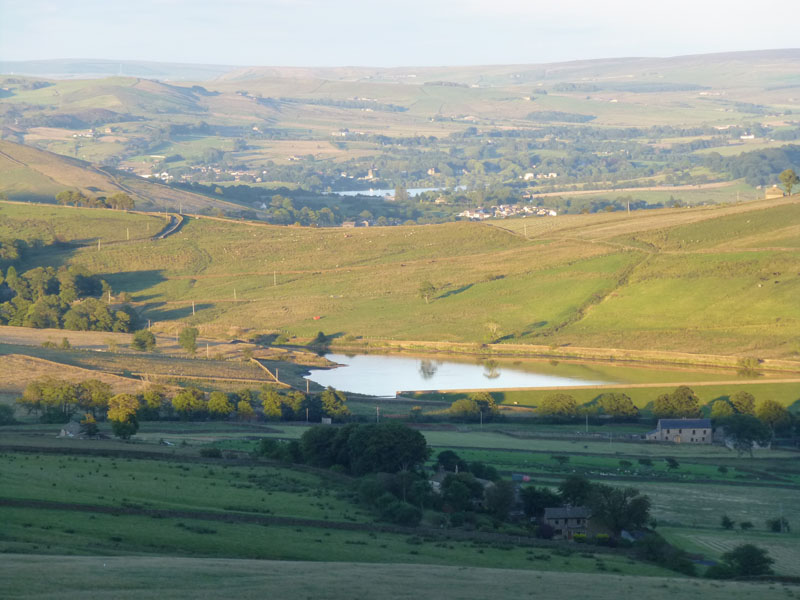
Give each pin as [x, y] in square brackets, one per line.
[31, 175]
[90, 68]
[698, 68]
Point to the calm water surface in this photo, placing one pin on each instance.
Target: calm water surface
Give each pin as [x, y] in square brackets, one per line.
[382, 375]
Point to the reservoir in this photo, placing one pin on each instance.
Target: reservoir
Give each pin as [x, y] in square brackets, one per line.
[385, 375]
[380, 193]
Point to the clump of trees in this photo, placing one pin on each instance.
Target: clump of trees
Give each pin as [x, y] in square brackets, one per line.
[479, 406]
[558, 405]
[683, 402]
[119, 200]
[66, 298]
[745, 560]
[618, 406]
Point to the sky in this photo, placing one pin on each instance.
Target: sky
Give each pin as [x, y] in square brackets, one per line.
[387, 33]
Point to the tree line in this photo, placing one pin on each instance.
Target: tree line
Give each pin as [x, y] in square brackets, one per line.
[683, 402]
[54, 400]
[118, 201]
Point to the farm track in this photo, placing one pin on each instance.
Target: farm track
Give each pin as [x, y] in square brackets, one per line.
[174, 225]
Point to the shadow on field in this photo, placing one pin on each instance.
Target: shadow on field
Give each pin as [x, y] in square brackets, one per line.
[455, 291]
[134, 281]
[160, 312]
[53, 255]
[532, 327]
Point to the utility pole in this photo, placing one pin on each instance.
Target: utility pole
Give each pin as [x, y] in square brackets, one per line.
[306, 393]
[192, 307]
[377, 414]
[306, 412]
[276, 375]
[234, 294]
[148, 324]
[128, 233]
[206, 349]
[481, 413]
[98, 244]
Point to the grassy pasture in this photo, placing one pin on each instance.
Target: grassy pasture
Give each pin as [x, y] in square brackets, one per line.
[161, 484]
[75, 225]
[702, 505]
[713, 543]
[128, 577]
[607, 281]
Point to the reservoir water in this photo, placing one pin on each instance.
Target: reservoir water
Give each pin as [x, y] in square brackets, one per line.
[380, 193]
[385, 375]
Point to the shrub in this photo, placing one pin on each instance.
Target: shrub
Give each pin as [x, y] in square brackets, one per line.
[7, 415]
[579, 538]
[210, 452]
[144, 341]
[778, 525]
[602, 539]
[726, 522]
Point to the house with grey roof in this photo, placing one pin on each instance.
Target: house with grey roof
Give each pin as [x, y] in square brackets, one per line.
[566, 521]
[682, 431]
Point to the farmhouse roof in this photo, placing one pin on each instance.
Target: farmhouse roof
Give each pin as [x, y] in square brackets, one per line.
[684, 424]
[567, 512]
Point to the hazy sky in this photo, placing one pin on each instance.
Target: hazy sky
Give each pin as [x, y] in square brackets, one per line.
[387, 32]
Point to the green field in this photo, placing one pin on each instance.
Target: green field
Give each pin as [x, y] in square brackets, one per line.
[205, 578]
[663, 280]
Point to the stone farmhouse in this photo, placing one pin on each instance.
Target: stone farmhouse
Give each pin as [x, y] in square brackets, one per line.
[682, 431]
[566, 521]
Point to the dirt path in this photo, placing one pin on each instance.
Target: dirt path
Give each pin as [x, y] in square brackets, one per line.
[175, 223]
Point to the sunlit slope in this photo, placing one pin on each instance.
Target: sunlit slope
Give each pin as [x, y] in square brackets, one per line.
[32, 175]
[717, 279]
[46, 225]
[712, 280]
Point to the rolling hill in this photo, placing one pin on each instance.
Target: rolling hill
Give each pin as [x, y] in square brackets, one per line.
[31, 175]
[715, 280]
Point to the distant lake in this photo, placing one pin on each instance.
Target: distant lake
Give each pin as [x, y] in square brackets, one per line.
[387, 192]
[385, 375]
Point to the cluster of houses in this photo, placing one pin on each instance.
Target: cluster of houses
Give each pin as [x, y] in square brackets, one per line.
[531, 176]
[506, 210]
